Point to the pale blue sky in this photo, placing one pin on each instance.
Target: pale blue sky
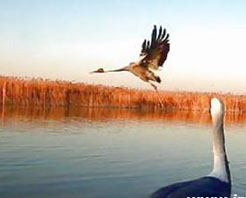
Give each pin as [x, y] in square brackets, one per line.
[67, 39]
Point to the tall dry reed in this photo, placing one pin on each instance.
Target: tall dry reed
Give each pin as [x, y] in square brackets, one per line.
[47, 93]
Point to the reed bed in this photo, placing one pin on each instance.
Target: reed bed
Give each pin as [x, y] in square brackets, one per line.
[37, 92]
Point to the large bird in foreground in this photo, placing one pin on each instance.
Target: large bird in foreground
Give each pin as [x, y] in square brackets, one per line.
[218, 182]
[152, 56]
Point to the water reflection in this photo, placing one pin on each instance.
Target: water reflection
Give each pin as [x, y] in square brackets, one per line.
[111, 114]
[121, 153]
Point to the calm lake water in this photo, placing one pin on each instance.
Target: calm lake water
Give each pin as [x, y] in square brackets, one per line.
[100, 153]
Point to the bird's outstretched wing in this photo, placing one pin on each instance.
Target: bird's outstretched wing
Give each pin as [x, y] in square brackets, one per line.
[154, 52]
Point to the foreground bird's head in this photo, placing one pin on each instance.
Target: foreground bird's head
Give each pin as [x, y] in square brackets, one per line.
[100, 70]
[216, 108]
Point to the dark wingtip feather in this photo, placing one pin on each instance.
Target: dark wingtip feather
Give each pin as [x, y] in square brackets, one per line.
[148, 45]
[163, 34]
[159, 34]
[144, 46]
[153, 37]
[166, 39]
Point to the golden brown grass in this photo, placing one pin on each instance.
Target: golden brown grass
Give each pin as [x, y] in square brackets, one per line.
[47, 93]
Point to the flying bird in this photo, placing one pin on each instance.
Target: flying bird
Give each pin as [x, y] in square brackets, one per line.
[152, 56]
[218, 182]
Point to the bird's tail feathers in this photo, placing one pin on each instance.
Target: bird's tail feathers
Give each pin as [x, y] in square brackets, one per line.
[158, 79]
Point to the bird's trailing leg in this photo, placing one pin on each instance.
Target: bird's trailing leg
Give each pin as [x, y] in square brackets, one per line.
[155, 87]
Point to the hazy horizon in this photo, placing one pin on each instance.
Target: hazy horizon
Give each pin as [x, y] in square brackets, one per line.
[68, 39]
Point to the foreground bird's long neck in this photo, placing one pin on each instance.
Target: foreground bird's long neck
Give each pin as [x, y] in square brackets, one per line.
[119, 70]
[221, 166]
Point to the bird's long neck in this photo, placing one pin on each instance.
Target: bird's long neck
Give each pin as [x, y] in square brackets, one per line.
[221, 166]
[126, 68]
